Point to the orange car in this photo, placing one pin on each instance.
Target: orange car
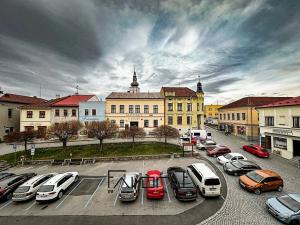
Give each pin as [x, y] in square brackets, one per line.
[261, 180]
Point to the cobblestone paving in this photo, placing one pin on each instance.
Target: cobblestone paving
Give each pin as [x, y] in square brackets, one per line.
[242, 207]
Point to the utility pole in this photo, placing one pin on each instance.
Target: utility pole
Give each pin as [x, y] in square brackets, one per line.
[77, 90]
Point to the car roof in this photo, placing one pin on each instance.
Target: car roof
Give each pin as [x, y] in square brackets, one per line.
[129, 179]
[34, 179]
[9, 179]
[205, 170]
[267, 173]
[56, 178]
[295, 196]
[235, 154]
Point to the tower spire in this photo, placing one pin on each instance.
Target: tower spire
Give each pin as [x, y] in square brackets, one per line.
[134, 88]
[199, 86]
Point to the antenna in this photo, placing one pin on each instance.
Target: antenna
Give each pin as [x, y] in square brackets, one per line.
[77, 90]
[40, 91]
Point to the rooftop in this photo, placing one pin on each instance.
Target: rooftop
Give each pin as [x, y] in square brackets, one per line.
[287, 102]
[13, 98]
[140, 95]
[72, 100]
[253, 102]
[180, 91]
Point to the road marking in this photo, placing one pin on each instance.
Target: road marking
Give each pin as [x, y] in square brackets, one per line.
[222, 197]
[69, 194]
[94, 192]
[167, 189]
[6, 204]
[119, 189]
[43, 167]
[30, 206]
[27, 168]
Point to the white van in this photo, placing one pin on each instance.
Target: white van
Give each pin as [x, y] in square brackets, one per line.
[206, 180]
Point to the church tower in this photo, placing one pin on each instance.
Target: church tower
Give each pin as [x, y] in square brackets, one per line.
[200, 105]
[134, 88]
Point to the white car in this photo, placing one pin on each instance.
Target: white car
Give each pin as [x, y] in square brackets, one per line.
[29, 189]
[56, 186]
[230, 157]
[207, 144]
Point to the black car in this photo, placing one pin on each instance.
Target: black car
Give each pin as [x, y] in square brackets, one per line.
[5, 175]
[240, 167]
[182, 185]
[10, 184]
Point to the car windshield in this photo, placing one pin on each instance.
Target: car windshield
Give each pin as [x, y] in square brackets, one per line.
[22, 189]
[46, 188]
[255, 176]
[210, 143]
[289, 202]
[228, 156]
[212, 181]
[126, 190]
[154, 182]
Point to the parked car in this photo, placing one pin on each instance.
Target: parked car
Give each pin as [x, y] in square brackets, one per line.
[240, 167]
[219, 150]
[285, 208]
[154, 185]
[257, 150]
[5, 175]
[208, 144]
[29, 189]
[130, 187]
[230, 157]
[182, 185]
[205, 179]
[10, 184]
[55, 187]
[261, 180]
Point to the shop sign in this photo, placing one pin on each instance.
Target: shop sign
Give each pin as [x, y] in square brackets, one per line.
[283, 131]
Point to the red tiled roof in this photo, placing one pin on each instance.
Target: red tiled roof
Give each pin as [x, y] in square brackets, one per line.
[253, 101]
[73, 100]
[180, 91]
[12, 98]
[141, 95]
[288, 102]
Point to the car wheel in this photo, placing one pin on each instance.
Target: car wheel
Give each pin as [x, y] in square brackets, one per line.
[60, 194]
[280, 188]
[9, 196]
[293, 222]
[257, 191]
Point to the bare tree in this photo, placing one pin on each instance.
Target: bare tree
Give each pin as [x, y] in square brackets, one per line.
[65, 130]
[165, 131]
[23, 136]
[133, 132]
[102, 130]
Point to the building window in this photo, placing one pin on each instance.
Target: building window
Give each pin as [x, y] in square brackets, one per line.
[179, 120]
[179, 107]
[170, 120]
[113, 121]
[269, 120]
[86, 112]
[198, 107]
[122, 109]
[296, 121]
[57, 112]
[189, 120]
[146, 123]
[170, 107]
[202, 106]
[228, 116]
[74, 112]
[29, 114]
[121, 123]
[233, 117]
[113, 108]
[155, 109]
[146, 108]
[243, 116]
[94, 112]
[189, 107]
[155, 123]
[9, 113]
[137, 109]
[42, 114]
[238, 116]
[224, 115]
[130, 108]
[65, 112]
[280, 143]
[220, 116]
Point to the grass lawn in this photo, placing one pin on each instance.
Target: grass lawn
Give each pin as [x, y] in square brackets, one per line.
[84, 151]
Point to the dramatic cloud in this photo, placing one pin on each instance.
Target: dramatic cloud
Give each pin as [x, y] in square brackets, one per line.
[237, 47]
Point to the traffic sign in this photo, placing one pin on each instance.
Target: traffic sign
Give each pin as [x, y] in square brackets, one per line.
[32, 150]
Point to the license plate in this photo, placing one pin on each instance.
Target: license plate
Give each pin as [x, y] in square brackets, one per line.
[189, 194]
[212, 189]
[19, 196]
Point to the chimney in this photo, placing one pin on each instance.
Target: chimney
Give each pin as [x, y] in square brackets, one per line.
[57, 96]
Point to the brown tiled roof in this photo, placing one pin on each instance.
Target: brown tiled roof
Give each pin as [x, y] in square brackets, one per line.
[253, 101]
[288, 102]
[43, 105]
[180, 91]
[13, 98]
[141, 95]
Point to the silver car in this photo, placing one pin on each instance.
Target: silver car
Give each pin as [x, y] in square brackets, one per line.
[29, 189]
[285, 208]
[130, 187]
[205, 145]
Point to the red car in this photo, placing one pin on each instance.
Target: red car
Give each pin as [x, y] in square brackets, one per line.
[154, 185]
[220, 150]
[257, 150]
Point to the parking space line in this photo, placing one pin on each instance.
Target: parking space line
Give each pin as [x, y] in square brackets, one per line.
[29, 207]
[6, 204]
[142, 198]
[167, 190]
[94, 192]
[120, 185]
[69, 193]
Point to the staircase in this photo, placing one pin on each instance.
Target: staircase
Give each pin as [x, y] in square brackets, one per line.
[4, 165]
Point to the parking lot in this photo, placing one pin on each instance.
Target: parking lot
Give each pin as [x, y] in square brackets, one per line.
[90, 195]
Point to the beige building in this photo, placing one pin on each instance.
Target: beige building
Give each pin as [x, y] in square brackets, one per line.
[211, 113]
[279, 124]
[241, 118]
[10, 111]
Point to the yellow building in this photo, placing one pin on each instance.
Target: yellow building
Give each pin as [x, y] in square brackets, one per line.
[279, 124]
[135, 108]
[211, 113]
[241, 118]
[184, 107]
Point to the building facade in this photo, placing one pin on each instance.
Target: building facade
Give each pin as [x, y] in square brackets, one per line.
[91, 111]
[241, 118]
[280, 127]
[211, 113]
[10, 111]
[184, 107]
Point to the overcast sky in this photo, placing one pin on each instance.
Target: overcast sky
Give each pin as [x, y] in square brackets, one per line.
[238, 47]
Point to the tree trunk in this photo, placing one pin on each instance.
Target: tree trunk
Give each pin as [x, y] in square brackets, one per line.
[133, 142]
[25, 144]
[64, 141]
[165, 141]
[101, 145]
